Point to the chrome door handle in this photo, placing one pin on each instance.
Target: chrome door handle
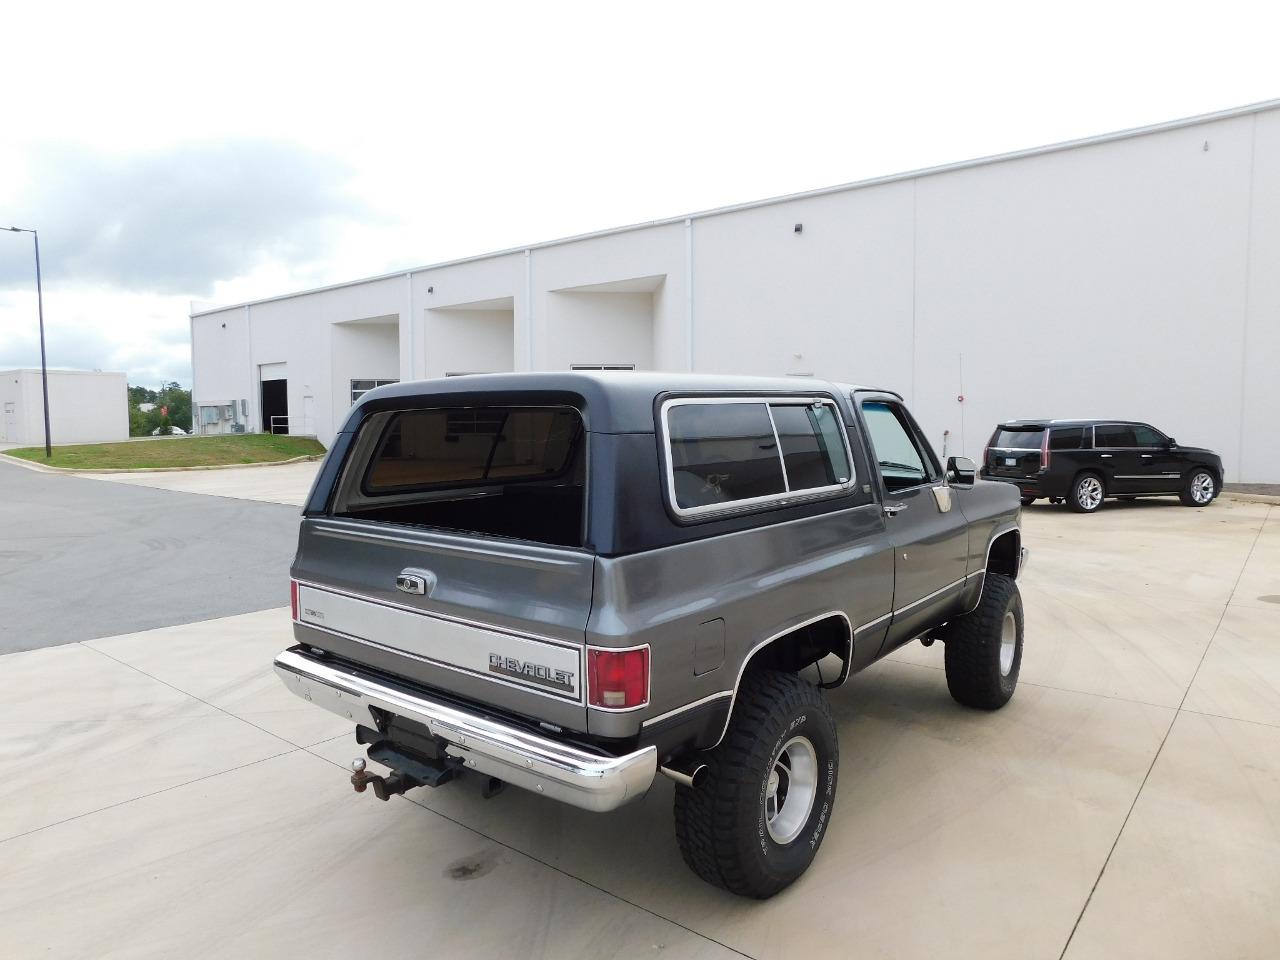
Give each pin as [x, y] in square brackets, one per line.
[893, 509]
[1105, 456]
[1146, 456]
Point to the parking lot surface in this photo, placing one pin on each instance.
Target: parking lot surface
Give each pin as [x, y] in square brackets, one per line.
[162, 795]
[82, 559]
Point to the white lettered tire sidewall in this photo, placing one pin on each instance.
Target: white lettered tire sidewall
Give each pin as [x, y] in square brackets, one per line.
[799, 852]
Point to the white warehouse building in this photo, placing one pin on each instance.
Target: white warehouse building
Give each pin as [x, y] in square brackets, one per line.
[85, 406]
[1133, 275]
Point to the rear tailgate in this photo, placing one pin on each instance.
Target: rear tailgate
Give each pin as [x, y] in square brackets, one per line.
[524, 656]
[1014, 451]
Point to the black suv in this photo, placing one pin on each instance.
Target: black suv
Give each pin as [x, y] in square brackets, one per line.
[1083, 461]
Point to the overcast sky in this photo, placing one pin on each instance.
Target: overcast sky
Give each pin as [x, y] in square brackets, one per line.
[248, 150]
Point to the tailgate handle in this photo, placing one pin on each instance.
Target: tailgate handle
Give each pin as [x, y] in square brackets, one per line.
[416, 582]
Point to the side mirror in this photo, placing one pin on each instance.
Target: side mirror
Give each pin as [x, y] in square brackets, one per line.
[961, 471]
[1170, 443]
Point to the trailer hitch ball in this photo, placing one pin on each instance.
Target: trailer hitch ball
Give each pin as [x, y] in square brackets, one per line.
[384, 788]
[360, 778]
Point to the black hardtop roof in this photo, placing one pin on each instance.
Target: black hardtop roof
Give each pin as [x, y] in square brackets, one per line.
[617, 401]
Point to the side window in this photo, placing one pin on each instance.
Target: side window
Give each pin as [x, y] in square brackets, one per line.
[812, 447]
[744, 452]
[1146, 437]
[1113, 435]
[902, 464]
[722, 452]
[1066, 438]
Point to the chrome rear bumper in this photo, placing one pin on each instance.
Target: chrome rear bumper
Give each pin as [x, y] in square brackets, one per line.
[496, 749]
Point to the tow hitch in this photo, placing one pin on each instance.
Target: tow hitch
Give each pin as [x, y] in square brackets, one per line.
[406, 772]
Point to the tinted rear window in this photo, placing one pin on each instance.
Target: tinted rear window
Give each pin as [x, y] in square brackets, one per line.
[1019, 438]
[421, 449]
[1066, 438]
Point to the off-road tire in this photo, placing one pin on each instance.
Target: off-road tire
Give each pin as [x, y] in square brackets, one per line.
[1028, 501]
[720, 824]
[1073, 498]
[1187, 495]
[973, 643]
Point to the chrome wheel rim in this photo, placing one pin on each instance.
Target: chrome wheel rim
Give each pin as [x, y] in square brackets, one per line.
[1008, 643]
[1202, 488]
[791, 789]
[1089, 493]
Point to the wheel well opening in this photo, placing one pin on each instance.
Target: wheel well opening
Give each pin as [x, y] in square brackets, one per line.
[805, 646]
[1004, 554]
[1093, 473]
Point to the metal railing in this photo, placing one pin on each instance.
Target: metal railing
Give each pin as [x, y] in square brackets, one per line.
[285, 422]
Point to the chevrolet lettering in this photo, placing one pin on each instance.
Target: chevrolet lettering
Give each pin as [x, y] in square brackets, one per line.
[523, 670]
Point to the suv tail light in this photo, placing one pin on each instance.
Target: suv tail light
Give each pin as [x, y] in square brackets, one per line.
[1044, 450]
[293, 597]
[618, 679]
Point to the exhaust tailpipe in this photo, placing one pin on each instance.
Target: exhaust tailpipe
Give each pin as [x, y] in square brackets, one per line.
[689, 775]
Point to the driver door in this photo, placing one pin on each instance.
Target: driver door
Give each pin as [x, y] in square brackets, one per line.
[925, 525]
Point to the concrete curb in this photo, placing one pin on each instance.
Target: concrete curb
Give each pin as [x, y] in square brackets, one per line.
[45, 468]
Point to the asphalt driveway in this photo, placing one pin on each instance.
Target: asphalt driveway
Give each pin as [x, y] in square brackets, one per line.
[81, 559]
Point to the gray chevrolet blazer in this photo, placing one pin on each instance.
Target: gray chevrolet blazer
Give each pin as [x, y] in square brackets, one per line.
[572, 583]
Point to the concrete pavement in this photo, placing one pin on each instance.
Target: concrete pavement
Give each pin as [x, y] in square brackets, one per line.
[81, 559]
[277, 483]
[162, 795]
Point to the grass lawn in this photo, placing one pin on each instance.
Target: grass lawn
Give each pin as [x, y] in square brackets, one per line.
[176, 452]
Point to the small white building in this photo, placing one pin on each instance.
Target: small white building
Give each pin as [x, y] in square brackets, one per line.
[1129, 275]
[85, 406]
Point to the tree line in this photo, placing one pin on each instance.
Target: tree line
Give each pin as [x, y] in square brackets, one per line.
[172, 409]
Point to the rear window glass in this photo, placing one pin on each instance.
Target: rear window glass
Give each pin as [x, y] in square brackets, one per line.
[422, 449]
[1018, 438]
[1066, 438]
[1113, 435]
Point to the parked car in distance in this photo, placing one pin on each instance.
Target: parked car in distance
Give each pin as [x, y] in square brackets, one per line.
[1085, 461]
[572, 583]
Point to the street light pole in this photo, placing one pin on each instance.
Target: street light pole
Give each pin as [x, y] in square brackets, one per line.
[44, 369]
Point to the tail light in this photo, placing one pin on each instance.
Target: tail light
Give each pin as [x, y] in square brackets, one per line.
[1044, 450]
[293, 597]
[618, 679]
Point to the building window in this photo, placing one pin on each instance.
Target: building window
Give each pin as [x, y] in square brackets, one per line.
[602, 366]
[360, 387]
